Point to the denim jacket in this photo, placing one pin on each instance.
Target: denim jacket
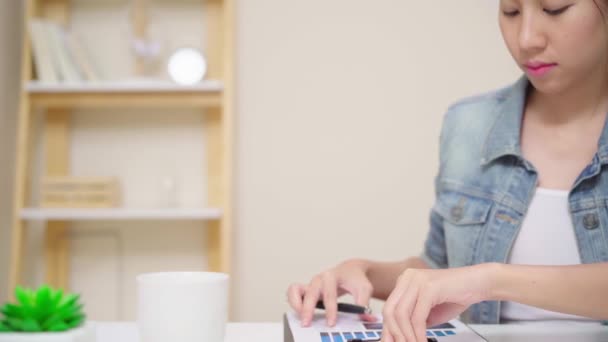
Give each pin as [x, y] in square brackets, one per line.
[484, 187]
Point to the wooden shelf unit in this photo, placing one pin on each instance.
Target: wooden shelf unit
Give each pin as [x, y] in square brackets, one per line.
[213, 97]
[125, 95]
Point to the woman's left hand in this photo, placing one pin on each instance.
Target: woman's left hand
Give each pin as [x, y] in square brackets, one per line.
[424, 297]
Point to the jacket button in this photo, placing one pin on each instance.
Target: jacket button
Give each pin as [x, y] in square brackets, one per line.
[456, 213]
[591, 221]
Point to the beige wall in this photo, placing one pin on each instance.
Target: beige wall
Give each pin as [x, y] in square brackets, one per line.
[339, 110]
[10, 45]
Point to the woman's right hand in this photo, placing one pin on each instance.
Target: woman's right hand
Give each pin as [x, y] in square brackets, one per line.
[348, 277]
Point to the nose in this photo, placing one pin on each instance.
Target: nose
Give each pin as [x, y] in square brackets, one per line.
[532, 38]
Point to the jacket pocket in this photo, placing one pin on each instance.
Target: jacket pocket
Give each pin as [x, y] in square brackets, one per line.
[462, 209]
[464, 218]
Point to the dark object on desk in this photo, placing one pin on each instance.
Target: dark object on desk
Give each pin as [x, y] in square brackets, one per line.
[348, 308]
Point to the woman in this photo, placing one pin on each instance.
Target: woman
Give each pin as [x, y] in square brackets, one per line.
[519, 229]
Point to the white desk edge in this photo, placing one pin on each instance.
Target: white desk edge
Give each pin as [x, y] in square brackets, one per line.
[273, 332]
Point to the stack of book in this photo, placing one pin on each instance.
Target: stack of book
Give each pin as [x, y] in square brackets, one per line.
[59, 55]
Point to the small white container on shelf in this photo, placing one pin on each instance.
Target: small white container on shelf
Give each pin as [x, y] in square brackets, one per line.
[168, 193]
[85, 333]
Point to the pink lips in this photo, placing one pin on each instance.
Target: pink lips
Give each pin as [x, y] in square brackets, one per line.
[538, 68]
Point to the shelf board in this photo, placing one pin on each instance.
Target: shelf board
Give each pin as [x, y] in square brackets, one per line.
[125, 94]
[122, 86]
[67, 214]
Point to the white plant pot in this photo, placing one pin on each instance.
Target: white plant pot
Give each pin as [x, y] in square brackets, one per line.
[82, 334]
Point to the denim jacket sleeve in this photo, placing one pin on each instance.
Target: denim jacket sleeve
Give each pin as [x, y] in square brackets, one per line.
[435, 253]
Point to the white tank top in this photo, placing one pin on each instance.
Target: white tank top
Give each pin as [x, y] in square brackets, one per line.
[546, 222]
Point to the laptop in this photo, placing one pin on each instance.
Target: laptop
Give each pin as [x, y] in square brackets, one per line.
[350, 328]
[546, 331]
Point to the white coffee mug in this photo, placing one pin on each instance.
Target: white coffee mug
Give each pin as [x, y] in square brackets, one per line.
[182, 306]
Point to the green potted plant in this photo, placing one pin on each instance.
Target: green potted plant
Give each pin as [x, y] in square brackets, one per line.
[44, 315]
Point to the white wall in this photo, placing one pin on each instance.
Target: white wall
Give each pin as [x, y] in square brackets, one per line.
[339, 110]
[10, 45]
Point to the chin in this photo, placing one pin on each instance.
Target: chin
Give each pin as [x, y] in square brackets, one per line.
[549, 86]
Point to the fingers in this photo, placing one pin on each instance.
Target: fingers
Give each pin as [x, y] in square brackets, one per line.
[330, 298]
[442, 313]
[328, 286]
[421, 313]
[391, 330]
[363, 294]
[362, 297]
[404, 311]
[404, 315]
[295, 292]
[386, 336]
[312, 295]
[368, 318]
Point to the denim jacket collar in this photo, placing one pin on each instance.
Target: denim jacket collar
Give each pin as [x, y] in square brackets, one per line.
[603, 146]
[504, 137]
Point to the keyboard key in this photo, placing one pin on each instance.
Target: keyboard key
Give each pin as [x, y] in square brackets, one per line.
[337, 337]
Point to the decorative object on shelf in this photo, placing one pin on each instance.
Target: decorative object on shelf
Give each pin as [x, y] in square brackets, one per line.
[168, 192]
[79, 192]
[147, 51]
[44, 315]
[187, 66]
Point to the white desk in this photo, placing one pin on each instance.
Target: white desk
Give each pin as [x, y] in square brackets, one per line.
[273, 332]
[235, 332]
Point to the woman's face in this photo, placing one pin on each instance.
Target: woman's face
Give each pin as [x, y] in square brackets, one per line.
[559, 44]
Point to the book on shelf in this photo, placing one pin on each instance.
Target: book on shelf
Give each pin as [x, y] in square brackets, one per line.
[42, 53]
[59, 55]
[80, 57]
